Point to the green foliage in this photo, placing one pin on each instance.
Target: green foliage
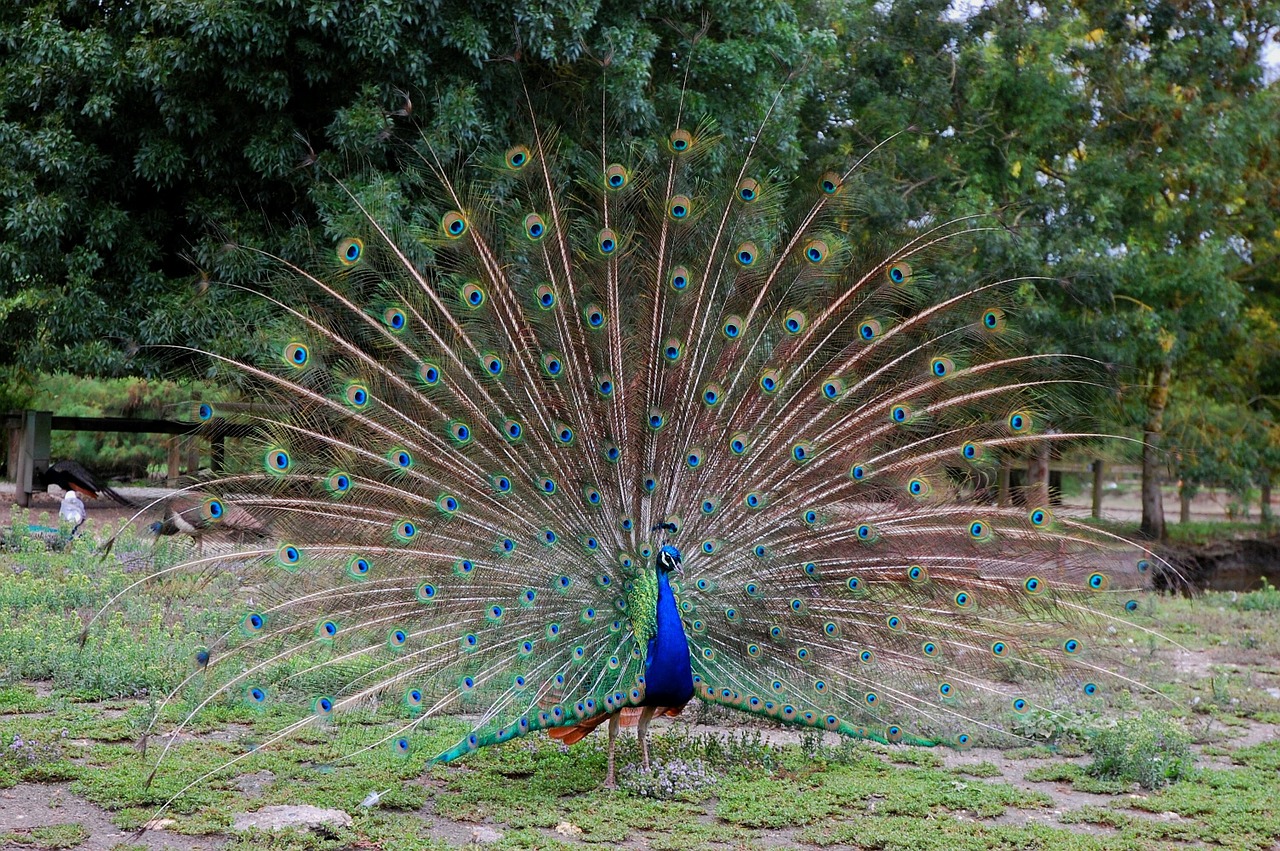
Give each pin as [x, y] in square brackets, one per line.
[1264, 599]
[137, 142]
[1150, 750]
[138, 651]
[52, 836]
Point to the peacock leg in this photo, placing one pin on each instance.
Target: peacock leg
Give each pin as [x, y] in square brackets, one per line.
[642, 733]
[609, 782]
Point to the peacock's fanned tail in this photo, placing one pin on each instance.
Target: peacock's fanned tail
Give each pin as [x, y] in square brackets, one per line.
[478, 423]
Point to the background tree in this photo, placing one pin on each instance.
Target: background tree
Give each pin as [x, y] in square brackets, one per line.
[1127, 150]
[138, 139]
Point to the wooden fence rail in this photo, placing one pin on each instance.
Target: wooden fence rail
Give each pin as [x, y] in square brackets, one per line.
[29, 442]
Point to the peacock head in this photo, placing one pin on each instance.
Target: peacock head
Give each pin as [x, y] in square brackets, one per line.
[669, 559]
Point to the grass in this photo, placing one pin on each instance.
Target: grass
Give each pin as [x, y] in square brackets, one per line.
[78, 715]
[48, 836]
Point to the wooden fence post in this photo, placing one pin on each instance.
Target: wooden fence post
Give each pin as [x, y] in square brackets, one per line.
[175, 462]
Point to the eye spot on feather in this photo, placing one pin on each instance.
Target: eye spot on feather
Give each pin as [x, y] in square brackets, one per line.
[616, 176]
[460, 432]
[535, 227]
[288, 555]
[518, 157]
[359, 567]
[357, 396]
[212, 508]
[278, 461]
[471, 295]
[429, 374]
[297, 355]
[454, 224]
[394, 318]
[350, 251]
[1020, 422]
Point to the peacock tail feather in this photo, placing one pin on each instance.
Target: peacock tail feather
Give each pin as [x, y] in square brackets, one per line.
[486, 419]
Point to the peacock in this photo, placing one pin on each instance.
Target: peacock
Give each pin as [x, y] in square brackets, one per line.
[580, 434]
[186, 514]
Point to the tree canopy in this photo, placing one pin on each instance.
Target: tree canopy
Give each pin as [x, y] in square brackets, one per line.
[1127, 151]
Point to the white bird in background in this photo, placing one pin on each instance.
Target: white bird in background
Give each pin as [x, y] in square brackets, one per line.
[72, 510]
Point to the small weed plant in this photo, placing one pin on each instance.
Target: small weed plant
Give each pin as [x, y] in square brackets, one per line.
[1151, 750]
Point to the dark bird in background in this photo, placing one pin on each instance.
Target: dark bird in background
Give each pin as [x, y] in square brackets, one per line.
[195, 516]
[72, 476]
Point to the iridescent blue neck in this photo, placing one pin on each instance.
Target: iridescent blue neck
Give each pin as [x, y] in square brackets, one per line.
[668, 675]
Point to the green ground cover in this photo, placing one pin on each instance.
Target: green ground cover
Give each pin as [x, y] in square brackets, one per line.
[1199, 765]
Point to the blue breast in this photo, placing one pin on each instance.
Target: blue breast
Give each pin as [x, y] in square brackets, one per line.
[668, 676]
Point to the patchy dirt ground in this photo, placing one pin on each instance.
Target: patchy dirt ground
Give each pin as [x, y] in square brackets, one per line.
[28, 807]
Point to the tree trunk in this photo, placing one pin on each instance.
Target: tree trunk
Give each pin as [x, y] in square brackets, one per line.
[1184, 504]
[1265, 500]
[1038, 476]
[1152, 464]
[1003, 484]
